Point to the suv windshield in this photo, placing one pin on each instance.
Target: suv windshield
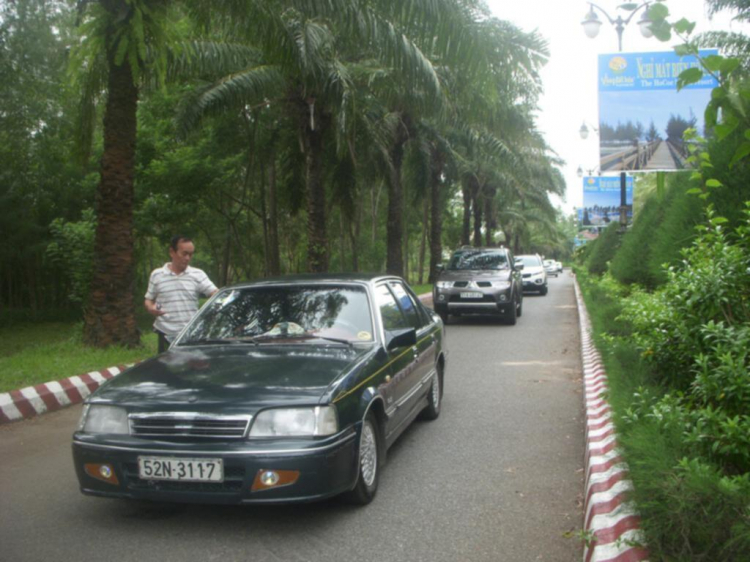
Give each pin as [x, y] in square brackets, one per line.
[478, 260]
[529, 261]
[284, 312]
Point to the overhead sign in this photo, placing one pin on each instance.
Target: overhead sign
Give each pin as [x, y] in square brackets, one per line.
[642, 116]
[601, 201]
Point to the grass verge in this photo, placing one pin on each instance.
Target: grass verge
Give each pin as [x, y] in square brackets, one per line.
[690, 511]
[35, 353]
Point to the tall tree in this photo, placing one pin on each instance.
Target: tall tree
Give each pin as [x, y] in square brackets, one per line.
[112, 57]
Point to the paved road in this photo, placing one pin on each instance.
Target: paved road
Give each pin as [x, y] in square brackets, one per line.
[497, 478]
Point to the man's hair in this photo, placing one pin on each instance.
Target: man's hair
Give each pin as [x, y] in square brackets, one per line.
[176, 241]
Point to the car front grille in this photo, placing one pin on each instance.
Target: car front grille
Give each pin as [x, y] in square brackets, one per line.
[188, 425]
[461, 284]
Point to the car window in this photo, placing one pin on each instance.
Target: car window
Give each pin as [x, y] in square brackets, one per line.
[529, 261]
[292, 311]
[478, 260]
[393, 319]
[407, 305]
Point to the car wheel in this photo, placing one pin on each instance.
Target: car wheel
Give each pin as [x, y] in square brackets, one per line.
[434, 397]
[543, 290]
[370, 449]
[512, 316]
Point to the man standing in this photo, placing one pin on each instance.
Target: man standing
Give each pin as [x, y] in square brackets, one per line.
[173, 291]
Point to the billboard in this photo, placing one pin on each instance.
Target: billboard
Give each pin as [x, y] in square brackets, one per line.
[642, 116]
[601, 203]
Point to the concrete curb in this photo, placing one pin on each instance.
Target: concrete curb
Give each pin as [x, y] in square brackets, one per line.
[611, 522]
[47, 397]
[34, 400]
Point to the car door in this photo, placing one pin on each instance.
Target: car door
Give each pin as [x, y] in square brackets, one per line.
[402, 360]
[426, 347]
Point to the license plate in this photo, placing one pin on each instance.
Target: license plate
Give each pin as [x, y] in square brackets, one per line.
[183, 470]
[471, 295]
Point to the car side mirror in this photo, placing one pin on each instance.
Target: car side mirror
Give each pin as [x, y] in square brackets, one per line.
[519, 265]
[440, 268]
[400, 338]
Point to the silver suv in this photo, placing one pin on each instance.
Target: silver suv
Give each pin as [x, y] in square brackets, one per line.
[534, 276]
[479, 281]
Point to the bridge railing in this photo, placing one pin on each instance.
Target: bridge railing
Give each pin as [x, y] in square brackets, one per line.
[632, 158]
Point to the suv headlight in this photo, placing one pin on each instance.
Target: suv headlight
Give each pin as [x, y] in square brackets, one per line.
[444, 284]
[295, 422]
[104, 419]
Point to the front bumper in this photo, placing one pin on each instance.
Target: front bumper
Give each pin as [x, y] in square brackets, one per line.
[536, 283]
[326, 468]
[492, 301]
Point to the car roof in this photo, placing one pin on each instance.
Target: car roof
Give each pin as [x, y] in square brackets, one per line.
[301, 279]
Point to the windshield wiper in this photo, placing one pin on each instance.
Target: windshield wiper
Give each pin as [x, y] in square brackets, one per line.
[215, 341]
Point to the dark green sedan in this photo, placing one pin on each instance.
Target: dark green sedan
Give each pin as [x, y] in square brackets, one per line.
[285, 390]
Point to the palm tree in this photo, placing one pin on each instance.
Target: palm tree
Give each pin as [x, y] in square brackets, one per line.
[112, 58]
[306, 55]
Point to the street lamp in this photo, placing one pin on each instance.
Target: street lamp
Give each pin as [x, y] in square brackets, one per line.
[591, 24]
[589, 171]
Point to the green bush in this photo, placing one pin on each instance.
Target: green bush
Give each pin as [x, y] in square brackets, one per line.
[695, 332]
[694, 504]
[72, 251]
[664, 226]
[603, 249]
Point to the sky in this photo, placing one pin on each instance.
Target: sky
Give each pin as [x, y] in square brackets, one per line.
[570, 76]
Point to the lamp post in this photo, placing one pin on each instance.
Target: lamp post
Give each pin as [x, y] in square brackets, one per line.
[591, 24]
[589, 171]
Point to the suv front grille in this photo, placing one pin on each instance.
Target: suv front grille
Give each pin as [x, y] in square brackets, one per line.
[461, 284]
[188, 425]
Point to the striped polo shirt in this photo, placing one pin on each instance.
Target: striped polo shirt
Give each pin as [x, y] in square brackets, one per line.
[177, 295]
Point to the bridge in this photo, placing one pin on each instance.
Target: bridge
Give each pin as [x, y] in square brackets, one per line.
[656, 155]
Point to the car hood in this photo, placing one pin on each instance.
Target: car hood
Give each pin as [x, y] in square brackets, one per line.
[240, 377]
[475, 274]
[533, 270]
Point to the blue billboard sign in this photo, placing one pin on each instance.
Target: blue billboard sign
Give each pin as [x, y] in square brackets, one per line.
[642, 116]
[601, 201]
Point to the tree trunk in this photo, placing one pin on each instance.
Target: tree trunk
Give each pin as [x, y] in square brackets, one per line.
[489, 217]
[423, 244]
[466, 225]
[395, 226]
[314, 123]
[110, 317]
[436, 219]
[274, 261]
[476, 195]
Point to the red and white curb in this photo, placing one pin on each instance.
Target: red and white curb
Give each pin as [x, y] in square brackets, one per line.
[38, 399]
[611, 524]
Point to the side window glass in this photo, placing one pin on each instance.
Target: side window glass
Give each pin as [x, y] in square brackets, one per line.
[389, 309]
[407, 305]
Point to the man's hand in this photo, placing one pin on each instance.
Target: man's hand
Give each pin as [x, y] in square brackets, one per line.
[153, 308]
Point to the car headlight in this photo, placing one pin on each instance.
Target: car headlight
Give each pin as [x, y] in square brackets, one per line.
[104, 419]
[501, 284]
[295, 422]
[444, 284]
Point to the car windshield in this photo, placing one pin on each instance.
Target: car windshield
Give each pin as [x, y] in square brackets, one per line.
[529, 261]
[284, 313]
[478, 260]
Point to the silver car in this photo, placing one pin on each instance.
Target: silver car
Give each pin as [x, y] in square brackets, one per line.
[534, 275]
